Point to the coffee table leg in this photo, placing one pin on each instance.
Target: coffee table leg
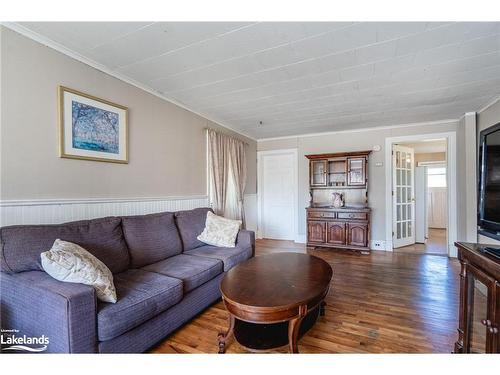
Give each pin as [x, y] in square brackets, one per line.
[222, 338]
[293, 333]
[322, 308]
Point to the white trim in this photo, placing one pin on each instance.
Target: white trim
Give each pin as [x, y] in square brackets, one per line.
[486, 106]
[433, 163]
[294, 152]
[44, 202]
[14, 26]
[357, 130]
[451, 156]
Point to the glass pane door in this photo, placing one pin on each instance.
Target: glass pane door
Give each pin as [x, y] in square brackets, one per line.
[403, 196]
[479, 316]
[318, 173]
[356, 171]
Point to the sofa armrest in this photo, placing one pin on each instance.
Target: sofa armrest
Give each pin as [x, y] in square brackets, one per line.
[246, 238]
[35, 304]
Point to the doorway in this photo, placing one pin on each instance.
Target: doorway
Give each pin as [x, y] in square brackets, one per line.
[277, 194]
[421, 202]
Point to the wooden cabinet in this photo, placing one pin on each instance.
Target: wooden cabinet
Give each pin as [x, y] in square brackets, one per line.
[479, 314]
[357, 234]
[316, 231]
[339, 227]
[335, 232]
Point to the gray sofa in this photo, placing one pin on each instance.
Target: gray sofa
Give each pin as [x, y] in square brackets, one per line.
[163, 276]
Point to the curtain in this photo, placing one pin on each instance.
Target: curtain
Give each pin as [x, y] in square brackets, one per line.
[227, 175]
[238, 163]
[218, 170]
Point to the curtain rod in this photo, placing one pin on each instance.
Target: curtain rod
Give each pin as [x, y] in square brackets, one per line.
[225, 134]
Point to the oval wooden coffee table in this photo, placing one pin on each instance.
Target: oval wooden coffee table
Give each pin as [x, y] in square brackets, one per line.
[270, 297]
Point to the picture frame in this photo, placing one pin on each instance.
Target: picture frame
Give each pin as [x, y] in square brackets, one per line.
[91, 128]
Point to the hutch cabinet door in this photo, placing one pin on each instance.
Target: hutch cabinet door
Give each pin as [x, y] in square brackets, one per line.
[318, 170]
[316, 231]
[335, 233]
[357, 234]
[356, 171]
[480, 328]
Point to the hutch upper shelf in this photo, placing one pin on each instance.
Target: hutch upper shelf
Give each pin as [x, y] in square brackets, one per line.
[340, 170]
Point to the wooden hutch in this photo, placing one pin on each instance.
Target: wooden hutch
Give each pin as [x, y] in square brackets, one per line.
[345, 227]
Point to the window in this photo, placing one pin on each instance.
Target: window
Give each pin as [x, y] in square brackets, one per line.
[436, 176]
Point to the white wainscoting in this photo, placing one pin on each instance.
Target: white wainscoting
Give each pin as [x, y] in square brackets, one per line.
[60, 211]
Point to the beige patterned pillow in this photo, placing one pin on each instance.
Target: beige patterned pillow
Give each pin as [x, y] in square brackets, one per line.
[70, 263]
[219, 231]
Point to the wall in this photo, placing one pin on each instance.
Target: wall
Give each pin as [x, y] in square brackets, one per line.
[351, 141]
[488, 117]
[167, 143]
[430, 156]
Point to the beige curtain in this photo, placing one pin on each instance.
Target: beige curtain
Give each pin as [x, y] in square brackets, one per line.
[218, 170]
[227, 174]
[238, 163]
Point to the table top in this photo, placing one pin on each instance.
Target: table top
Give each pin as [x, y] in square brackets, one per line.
[277, 281]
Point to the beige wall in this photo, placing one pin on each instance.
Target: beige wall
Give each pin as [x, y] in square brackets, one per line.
[351, 141]
[489, 117]
[429, 156]
[167, 143]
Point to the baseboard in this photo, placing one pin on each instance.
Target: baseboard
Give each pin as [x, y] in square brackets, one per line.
[300, 238]
[54, 211]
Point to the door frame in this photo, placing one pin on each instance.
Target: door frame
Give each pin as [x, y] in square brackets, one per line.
[451, 180]
[260, 184]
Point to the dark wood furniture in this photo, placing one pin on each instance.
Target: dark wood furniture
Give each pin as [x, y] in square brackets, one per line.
[269, 296]
[347, 227]
[479, 314]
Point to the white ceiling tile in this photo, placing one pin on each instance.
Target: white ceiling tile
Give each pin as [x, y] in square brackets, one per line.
[300, 77]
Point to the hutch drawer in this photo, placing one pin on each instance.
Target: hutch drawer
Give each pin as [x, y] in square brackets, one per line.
[321, 214]
[352, 215]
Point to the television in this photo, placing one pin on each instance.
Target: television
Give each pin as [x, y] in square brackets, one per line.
[489, 182]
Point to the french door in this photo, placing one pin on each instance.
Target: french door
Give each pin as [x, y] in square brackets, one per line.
[403, 196]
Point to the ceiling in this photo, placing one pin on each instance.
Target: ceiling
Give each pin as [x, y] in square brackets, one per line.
[299, 78]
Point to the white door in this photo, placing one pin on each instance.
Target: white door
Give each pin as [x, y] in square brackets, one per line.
[278, 184]
[421, 204]
[403, 198]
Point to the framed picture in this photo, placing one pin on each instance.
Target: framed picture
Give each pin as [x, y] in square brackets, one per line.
[91, 128]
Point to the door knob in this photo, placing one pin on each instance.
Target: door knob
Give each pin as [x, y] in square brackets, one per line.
[486, 322]
[493, 330]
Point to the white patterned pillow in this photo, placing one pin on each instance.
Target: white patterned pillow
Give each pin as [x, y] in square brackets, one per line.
[219, 231]
[71, 263]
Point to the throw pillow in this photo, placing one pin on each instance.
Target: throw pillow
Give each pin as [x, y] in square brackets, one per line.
[71, 263]
[219, 231]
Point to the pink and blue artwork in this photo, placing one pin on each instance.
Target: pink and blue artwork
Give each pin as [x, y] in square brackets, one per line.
[94, 129]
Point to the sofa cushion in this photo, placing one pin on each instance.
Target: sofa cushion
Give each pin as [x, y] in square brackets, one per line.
[151, 238]
[21, 245]
[190, 224]
[230, 256]
[141, 296]
[192, 270]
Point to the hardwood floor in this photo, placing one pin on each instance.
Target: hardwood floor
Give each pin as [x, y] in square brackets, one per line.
[436, 244]
[378, 303]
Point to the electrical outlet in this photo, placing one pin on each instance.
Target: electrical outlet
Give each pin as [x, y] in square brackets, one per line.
[378, 245]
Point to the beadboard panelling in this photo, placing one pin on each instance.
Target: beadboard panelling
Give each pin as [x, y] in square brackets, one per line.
[60, 211]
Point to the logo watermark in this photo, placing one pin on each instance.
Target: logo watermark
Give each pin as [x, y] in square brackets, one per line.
[12, 341]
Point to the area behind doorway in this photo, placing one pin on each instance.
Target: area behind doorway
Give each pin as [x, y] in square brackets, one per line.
[430, 198]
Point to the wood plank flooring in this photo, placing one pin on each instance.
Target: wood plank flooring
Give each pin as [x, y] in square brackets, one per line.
[378, 303]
